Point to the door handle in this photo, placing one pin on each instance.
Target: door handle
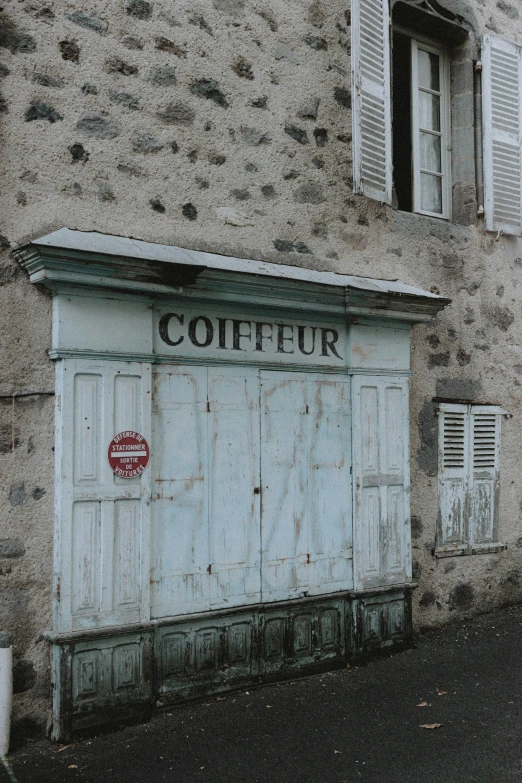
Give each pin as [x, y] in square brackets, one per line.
[257, 490]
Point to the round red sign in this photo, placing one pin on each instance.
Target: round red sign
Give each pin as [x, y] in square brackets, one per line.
[129, 454]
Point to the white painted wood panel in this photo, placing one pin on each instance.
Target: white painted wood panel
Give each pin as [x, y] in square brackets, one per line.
[454, 454]
[234, 483]
[103, 531]
[86, 558]
[502, 131]
[329, 485]
[284, 477]
[306, 484]
[485, 465]
[372, 101]
[180, 540]
[381, 481]
[252, 495]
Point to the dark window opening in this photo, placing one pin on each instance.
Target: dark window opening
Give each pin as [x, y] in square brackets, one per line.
[401, 122]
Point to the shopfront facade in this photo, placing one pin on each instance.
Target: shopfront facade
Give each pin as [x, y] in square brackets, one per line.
[269, 535]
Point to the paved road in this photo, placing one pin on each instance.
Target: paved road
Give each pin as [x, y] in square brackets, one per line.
[359, 724]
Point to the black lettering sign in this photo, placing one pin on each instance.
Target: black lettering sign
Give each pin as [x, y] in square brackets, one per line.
[164, 328]
[192, 331]
[222, 331]
[261, 336]
[326, 343]
[282, 338]
[301, 339]
[237, 334]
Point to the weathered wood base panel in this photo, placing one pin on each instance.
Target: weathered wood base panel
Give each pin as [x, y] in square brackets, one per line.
[103, 678]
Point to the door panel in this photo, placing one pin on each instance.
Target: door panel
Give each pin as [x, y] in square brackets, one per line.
[102, 546]
[381, 481]
[253, 489]
[180, 581]
[329, 485]
[284, 484]
[306, 484]
[233, 470]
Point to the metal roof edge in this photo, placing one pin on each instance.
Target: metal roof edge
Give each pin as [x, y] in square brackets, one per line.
[106, 245]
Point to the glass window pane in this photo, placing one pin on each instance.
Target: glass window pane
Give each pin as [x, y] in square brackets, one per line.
[429, 111]
[430, 157]
[429, 70]
[431, 193]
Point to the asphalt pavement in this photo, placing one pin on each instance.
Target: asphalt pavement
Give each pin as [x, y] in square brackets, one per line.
[448, 711]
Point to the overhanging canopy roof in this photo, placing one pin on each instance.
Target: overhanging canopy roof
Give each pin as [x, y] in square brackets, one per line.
[88, 258]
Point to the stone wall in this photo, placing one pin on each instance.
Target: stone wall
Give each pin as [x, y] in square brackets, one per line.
[225, 125]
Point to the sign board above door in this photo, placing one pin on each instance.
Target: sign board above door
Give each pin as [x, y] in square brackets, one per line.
[232, 336]
[121, 298]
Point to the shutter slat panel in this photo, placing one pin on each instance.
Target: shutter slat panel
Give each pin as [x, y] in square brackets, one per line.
[485, 452]
[453, 441]
[372, 105]
[484, 441]
[502, 119]
[453, 485]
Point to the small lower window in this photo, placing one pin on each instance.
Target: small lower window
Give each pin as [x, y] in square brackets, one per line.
[469, 479]
[421, 126]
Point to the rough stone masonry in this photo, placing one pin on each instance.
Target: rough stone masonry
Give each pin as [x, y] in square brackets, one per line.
[225, 125]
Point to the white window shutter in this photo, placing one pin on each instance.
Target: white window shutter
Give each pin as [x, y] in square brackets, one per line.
[382, 540]
[484, 457]
[371, 105]
[502, 121]
[453, 476]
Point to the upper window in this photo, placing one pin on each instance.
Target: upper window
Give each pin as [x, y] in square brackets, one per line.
[421, 127]
[414, 139]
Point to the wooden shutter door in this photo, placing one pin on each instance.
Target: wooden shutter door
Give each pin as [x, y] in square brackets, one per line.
[502, 120]
[180, 536]
[234, 491]
[454, 452]
[102, 540]
[382, 547]
[372, 105]
[284, 479]
[330, 559]
[485, 484]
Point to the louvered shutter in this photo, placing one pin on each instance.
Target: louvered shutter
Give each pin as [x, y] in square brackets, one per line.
[502, 119]
[372, 105]
[484, 468]
[453, 476]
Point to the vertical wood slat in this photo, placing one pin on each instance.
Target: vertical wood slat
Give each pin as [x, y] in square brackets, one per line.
[382, 548]
[233, 471]
[180, 541]
[454, 455]
[502, 133]
[485, 466]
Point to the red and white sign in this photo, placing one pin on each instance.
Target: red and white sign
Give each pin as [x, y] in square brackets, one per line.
[129, 454]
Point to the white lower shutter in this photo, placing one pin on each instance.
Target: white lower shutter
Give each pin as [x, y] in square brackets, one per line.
[103, 521]
[502, 121]
[469, 478]
[453, 477]
[371, 104]
[485, 453]
[382, 546]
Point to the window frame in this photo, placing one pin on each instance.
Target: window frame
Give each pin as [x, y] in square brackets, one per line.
[418, 42]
